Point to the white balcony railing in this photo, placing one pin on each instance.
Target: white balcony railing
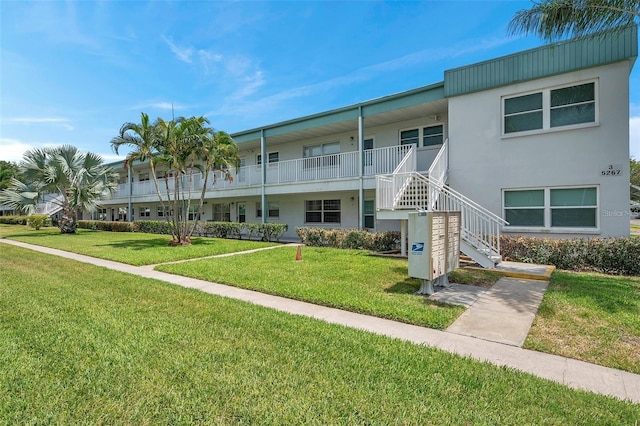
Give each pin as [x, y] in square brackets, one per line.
[334, 166]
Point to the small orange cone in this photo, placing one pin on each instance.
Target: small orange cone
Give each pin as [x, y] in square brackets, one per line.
[299, 254]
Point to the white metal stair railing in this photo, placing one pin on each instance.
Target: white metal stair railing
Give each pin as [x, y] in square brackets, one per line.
[388, 189]
[50, 207]
[480, 227]
[439, 168]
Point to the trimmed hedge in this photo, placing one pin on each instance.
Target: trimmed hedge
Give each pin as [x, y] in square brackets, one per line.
[103, 225]
[263, 231]
[13, 220]
[349, 238]
[619, 256]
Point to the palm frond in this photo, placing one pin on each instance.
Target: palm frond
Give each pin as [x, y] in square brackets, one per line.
[556, 19]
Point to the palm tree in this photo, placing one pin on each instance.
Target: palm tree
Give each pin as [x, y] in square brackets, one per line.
[555, 19]
[183, 147]
[79, 179]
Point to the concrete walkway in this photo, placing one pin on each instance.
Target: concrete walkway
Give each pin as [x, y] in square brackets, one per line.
[504, 313]
[572, 373]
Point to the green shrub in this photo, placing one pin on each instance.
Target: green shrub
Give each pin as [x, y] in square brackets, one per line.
[13, 220]
[103, 225]
[608, 255]
[37, 221]
[349, 238]
[153, 227]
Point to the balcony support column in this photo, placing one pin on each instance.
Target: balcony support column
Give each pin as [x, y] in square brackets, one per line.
[263, 166]
[403, 237]
[361, 168]
[130, 183]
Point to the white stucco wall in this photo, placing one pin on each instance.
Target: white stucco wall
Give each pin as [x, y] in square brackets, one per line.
[483, 162]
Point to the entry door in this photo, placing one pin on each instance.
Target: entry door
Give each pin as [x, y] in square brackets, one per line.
[242, 212]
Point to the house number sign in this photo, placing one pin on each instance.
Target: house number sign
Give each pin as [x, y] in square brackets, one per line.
[612, 170]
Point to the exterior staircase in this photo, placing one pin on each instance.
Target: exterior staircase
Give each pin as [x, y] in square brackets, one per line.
[407, 190]
[51, 206]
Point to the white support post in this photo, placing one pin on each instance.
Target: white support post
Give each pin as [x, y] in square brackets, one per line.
[403, 237]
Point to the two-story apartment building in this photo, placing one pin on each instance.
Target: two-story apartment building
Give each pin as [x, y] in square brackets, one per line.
[534, 143]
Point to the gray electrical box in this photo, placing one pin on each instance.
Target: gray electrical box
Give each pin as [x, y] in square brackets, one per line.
[434, 243]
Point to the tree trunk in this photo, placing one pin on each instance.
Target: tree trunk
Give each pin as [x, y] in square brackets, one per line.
[68, 222]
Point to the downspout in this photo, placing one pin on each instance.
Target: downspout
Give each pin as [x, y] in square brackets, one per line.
[361, 169]
[263, 155]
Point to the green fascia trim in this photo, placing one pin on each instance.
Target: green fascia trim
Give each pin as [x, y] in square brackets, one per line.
[571, 55]
[369, 108]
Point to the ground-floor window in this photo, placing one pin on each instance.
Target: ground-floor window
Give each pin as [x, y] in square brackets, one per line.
[369, 214]
[101, 214]
[222, 212]
[273, 209]
[144, 211]
[552, 207]
[163, 211]
[193, 213]
[322, 211]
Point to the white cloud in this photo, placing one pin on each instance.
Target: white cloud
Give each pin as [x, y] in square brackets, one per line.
[235, 106]
[162, 105]
[183, 54]
[64, 122]
[13, 149]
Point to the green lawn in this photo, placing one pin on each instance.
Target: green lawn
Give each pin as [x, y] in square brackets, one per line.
[592, 317]
[86, 345]
[345, 279]
[127, 247]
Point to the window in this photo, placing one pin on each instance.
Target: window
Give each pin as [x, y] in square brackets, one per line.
[322, 211]
[573, 105]
[161, 212]
[272, 212]
[550, 108]
[122, 180]
[524, 208]
[102, 214]
[222, 212]
[145, 212]
[408, 137]
[430, 136]
[193, 213]
[433, 135]
[574, 207]
[523, 113]
[369, 214]
[273, 157]
[552, 207]
[367, 146]
[142, 177]
[328, 151]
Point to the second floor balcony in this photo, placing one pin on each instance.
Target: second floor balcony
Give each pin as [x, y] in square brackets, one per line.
[345, 165]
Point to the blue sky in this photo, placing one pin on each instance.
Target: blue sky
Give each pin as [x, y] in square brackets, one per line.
[74, 72]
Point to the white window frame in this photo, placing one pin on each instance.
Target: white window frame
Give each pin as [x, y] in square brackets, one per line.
[372, 214]
[144, 176]
[269, 154]
[322, 212]
[273, 211]
[420, 129]
[144, 211]
[223, 212]
[546, 110]
[547, 212]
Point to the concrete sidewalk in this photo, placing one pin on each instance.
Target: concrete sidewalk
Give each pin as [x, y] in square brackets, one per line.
[572, 373]
[504, 313]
